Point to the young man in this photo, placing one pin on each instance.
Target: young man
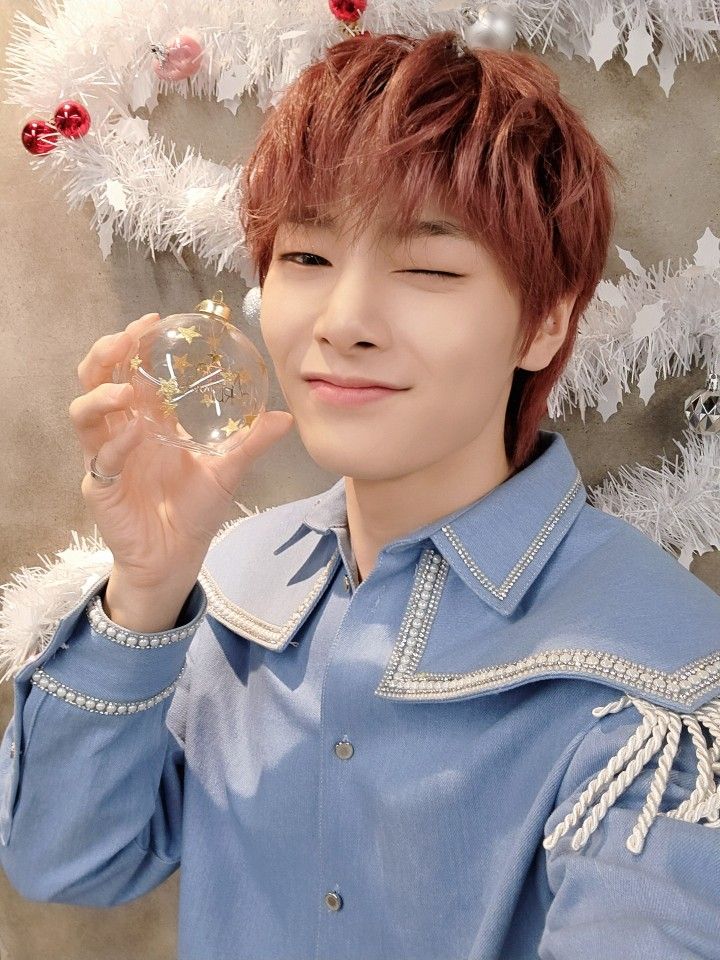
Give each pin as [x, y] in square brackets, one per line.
[396, 706]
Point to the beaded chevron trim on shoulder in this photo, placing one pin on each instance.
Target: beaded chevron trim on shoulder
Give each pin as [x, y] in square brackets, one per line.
[660, 728]
[403, 680]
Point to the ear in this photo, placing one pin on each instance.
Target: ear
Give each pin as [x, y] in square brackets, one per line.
[550, 336]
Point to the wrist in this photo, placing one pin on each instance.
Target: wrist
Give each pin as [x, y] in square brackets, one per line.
[145, 608]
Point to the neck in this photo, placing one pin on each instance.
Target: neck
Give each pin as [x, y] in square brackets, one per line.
[380, 511]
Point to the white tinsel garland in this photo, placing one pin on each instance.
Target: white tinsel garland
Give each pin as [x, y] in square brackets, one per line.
[99, 54]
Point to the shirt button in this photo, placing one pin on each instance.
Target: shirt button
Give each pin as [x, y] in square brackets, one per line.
[347, 582]
[333, 901]
[344, 749]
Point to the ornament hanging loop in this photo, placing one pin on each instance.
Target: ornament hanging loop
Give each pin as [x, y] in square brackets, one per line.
[159, 51]
[216, 308]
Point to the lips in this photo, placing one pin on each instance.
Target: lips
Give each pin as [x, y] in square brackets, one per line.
[350, 382]
[348, 396]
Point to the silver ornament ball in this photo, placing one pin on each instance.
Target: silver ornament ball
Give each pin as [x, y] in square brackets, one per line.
[491, 26]
[702, 408]
[251, 306]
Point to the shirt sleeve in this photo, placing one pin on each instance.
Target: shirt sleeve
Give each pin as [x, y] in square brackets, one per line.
[633, 857]
[92, 762]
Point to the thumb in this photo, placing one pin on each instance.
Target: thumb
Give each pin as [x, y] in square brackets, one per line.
[269, 427]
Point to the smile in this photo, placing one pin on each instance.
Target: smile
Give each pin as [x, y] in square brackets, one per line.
[348, 396]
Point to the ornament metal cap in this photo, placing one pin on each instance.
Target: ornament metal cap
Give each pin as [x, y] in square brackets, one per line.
[216, 307]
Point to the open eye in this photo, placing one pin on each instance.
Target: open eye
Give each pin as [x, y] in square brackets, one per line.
[289, 256]
[314, 256]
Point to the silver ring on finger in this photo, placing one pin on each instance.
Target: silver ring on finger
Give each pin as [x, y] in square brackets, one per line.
[101, 477]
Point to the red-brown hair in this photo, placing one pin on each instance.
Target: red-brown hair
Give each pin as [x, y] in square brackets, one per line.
[385, 119]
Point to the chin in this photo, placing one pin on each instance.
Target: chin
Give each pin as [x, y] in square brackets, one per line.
[349, 457]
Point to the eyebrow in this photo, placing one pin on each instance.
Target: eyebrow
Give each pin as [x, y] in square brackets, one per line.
[418, 228]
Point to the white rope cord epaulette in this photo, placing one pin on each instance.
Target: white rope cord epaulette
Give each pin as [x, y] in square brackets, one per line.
[659, 726]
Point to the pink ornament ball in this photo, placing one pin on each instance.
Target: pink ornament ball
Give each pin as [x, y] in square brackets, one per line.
[182, 59]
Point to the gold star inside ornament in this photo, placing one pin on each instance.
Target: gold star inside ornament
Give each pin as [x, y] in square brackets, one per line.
[135, 362]
[213, 342]
[168, 389]
[249, 419]
[231, 426]
[168, 407]
[207, 368]
[206, 399]
[188, 333]
[181, 363]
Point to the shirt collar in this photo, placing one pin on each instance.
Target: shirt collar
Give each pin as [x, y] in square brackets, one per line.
[500, 542]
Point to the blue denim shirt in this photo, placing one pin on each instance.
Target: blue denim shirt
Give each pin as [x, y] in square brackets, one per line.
[504, 743]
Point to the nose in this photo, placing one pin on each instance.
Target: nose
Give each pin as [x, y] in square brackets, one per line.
[352, 308]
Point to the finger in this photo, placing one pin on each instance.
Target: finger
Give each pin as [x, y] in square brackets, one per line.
[97, 365]
[112, 457]
[104, 358]
[265, 431]
[90, 414]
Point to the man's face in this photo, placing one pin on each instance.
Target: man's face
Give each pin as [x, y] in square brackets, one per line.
[365, 308]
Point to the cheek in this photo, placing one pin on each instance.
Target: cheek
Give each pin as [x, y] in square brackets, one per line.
[275, 326]
[470, 355]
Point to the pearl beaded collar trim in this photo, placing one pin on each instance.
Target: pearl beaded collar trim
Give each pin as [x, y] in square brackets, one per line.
[100, 623]
[96, 704]
[501, 590]
[270, 635]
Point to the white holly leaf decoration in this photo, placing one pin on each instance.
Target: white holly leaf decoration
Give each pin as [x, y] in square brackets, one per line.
[638, 46]
[105, 235]
[610, 396]
[142, 89]
[115, 193]
[666, 66]
[132, 129]
[646, 381]
[630, 262]
[232, 83]
[686, 555]
[609, 293]
[605, 38]
[707, 253]
[647, 319]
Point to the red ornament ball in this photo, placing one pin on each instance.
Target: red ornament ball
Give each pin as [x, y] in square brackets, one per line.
[72, 119]
[38, 137]
[347, 10]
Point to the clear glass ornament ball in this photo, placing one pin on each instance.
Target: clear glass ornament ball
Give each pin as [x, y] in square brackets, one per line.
[199, 382]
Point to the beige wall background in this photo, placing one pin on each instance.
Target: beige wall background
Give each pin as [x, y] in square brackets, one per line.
[59, 296]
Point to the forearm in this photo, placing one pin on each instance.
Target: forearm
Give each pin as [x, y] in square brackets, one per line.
[90, 775]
